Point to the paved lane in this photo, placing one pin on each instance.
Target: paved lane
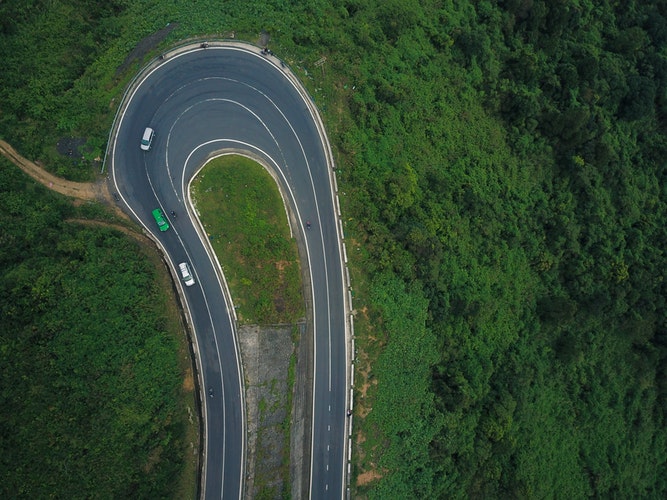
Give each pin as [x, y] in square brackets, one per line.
[201, 103]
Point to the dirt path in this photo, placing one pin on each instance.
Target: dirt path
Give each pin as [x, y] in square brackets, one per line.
[144, 240]
[85, 191]
[80, 190]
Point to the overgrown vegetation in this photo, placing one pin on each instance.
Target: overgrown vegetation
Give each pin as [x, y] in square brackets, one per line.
[91, 384]
[503, 170]
[506, 164]
[244, 217]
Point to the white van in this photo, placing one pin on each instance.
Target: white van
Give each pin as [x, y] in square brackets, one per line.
[147, 138]
[186, 274]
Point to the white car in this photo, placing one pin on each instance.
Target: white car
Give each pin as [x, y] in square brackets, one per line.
[147, 138]
[186, 274]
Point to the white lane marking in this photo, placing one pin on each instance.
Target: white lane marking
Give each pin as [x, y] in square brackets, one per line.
[324, 144]
[326, 148]
[215, 340]
[324, 256]
[159, 243]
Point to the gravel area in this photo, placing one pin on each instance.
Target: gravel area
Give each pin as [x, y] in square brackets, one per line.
[266, 353]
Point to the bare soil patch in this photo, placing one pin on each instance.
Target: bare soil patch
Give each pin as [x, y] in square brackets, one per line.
[264, 38]
[368, 477]
[189, 382]
[282, 264]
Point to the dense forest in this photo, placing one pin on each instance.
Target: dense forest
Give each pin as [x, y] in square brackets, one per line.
[504, 175]
[507, 163]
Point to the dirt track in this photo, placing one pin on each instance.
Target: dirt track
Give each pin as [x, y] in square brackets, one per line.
[85, 191]
[81, 190]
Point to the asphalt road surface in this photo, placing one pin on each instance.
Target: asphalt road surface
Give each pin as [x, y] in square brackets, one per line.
[205, 102]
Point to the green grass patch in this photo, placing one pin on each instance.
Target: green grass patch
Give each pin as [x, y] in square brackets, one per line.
[245, 220]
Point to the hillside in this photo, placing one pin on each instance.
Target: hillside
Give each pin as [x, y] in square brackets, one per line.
[503, 170]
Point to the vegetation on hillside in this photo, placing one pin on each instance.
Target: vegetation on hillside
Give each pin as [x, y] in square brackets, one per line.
[507, 164]
[91, 378]
[504, 177]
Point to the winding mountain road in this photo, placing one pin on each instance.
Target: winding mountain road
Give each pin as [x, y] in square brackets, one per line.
[204, 102]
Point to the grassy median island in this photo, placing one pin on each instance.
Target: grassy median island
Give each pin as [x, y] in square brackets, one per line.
[243, 214]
